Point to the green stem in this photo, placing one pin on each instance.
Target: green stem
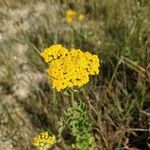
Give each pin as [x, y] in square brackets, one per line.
[114, 73]
[72, 98]
[54, 98]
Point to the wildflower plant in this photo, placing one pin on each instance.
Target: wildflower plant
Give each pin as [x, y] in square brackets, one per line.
[76, 25]
[43, 140]
[68, 69]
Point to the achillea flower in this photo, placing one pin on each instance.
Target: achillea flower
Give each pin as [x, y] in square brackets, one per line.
[70, 15]
[81, 17]
[43, 140]
[71, 69]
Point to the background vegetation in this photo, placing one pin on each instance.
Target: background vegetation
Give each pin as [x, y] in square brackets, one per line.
[118, 99]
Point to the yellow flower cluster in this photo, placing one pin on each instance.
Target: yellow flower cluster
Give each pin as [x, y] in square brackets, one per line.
[43, 140]
[81, 17]
[72, 68]
[71, 16]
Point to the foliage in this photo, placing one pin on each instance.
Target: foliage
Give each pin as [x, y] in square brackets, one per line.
[80, 126]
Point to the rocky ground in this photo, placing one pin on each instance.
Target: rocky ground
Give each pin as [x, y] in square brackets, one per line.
[16, 129]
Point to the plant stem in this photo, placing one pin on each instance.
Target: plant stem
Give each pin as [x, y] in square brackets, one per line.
[114, 73]
[54, 98]
[72, 98]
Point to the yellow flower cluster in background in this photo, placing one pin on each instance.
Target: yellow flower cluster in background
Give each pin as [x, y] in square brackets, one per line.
[71, 68]
[81, 17]
[44, 140]
[72, 15]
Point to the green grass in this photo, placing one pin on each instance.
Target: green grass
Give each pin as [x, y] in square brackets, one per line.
[118, 99]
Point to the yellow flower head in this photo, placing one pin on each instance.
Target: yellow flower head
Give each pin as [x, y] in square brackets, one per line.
[53, 52]
[81, 17]
[72, 69]
[44, 140]
[70, 15]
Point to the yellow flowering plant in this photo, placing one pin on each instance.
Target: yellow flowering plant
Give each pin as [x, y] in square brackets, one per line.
[69, 68]
[43, 140]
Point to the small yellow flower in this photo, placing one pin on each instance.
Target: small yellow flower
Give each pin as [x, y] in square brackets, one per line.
[81, 17]
[70, 15]
[43, 140]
